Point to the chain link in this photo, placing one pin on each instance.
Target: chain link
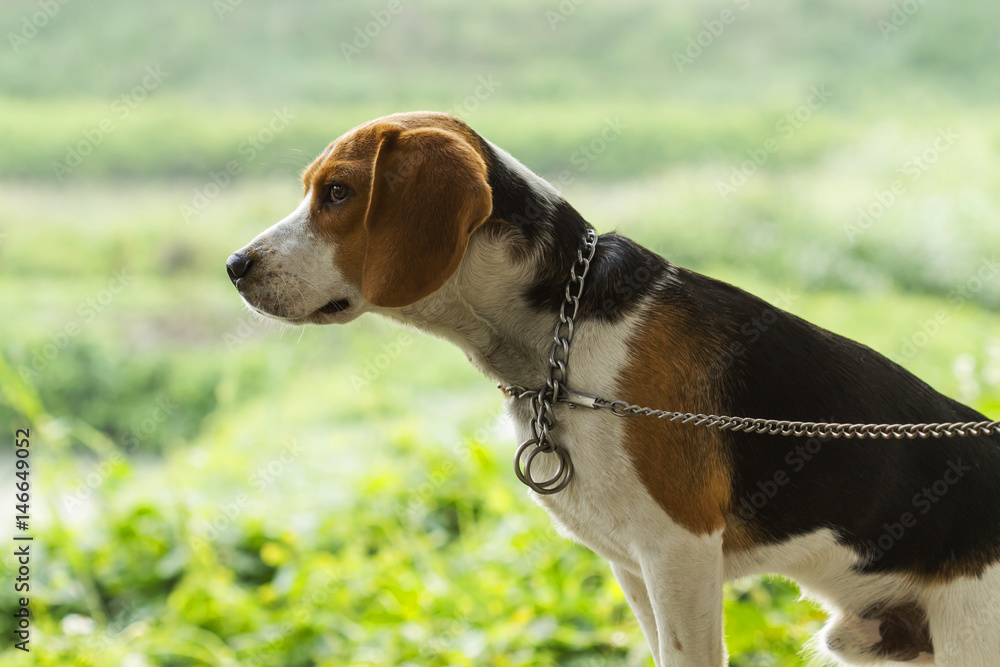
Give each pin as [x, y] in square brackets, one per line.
[808, 429]
[556, 390]
[542, 401]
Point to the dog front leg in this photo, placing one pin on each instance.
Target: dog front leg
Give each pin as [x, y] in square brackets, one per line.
[684, 584]
[634, 589]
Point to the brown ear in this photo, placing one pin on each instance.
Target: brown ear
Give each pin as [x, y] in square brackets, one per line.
[428, 194]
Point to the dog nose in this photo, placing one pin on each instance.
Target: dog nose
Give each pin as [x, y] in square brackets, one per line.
[237, 265]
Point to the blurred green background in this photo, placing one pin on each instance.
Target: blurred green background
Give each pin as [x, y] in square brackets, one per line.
[209, 489]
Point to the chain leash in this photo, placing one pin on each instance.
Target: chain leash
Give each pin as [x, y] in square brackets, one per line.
[542, 401]
[555, 390]
[808, 429]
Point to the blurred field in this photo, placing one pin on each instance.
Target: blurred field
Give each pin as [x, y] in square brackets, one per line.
[214, 490]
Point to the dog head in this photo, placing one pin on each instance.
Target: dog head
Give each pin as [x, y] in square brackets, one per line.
[388, 211]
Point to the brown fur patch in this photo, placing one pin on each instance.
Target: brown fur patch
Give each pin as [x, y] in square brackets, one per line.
[310, 171]
[684, 467]
[904, 629]
[677, 642]
[348, 161]
[419, 190]
[429, 193]
[739, 536]
[950, 570]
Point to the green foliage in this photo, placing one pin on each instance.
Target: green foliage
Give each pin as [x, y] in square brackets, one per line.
[139, 403]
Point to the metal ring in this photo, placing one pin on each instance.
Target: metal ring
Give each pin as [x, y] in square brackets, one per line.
[517, 459]
[564, 472]
[619, 408]
[555, 449]
[525, 475]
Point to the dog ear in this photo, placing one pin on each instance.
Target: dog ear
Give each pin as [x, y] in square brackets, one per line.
[428, 194]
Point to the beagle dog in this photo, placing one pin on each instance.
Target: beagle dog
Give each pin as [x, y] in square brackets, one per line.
[416, 217]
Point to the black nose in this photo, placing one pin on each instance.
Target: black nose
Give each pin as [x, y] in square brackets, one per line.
[237, 265]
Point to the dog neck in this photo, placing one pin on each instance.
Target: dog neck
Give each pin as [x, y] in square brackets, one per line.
[502, 304]
[485, 309]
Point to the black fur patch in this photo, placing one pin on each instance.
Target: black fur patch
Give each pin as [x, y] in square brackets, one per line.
[931, 507]
[621, 273]
[515, 201]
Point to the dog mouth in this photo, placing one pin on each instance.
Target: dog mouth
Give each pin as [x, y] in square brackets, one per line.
[336, 306]
[338, 309]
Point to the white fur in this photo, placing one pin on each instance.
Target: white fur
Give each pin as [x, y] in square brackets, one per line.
[673, 579]
[965, 621]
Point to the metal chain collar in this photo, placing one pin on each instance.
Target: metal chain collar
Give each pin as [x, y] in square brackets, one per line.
[543, 421]
[556, 390]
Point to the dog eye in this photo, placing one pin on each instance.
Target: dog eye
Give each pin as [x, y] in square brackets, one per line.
[339, 192]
